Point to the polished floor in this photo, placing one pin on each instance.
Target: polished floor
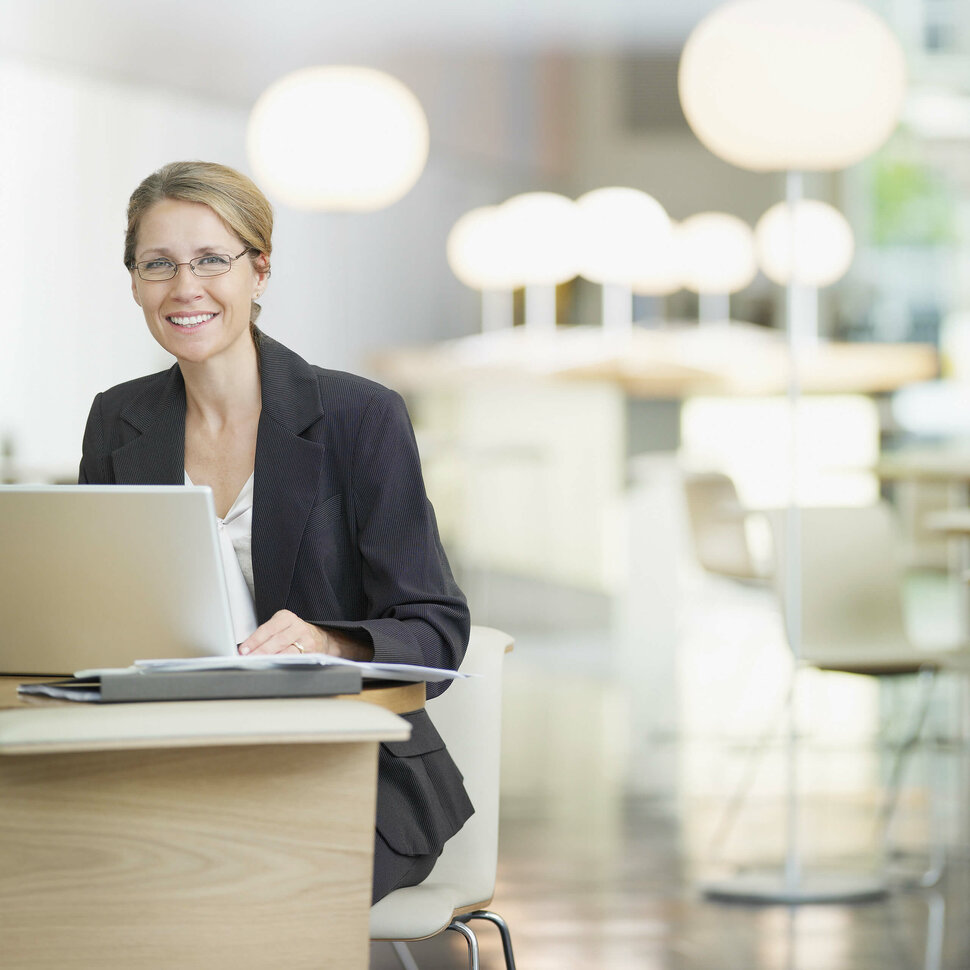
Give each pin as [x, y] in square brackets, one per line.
[625, 899]
[613, 824]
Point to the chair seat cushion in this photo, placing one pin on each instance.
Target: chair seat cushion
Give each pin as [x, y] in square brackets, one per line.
[414, 912]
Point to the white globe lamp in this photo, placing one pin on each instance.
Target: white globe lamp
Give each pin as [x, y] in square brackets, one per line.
[804, 246]
[478, 253]
[779, 85]
[717, 259]
[624, 232]
[542, 242]
[348, 139]
[819, 235]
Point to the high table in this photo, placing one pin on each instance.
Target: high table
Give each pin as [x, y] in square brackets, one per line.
[949, 467]
[954, 523]
[190, 835]
[929, 466]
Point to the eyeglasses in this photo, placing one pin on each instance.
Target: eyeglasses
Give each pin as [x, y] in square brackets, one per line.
[212, 264]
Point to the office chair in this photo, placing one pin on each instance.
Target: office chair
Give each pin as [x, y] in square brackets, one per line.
[721, 543]
[852, 621]
[461, 885]
[852, 618]
[718, 525]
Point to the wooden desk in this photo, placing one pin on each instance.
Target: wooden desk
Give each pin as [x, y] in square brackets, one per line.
[188, 835]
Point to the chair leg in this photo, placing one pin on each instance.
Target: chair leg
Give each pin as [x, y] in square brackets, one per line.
[503, 929]
[935, 924]
[469, 934]
[926, 683]
[938, 849]
[732, 809]
[926, 680]
[403, 955]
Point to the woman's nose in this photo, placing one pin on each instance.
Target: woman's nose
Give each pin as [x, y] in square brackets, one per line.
[185, 284]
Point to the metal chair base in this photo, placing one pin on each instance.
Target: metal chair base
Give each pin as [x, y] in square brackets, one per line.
[460, 925]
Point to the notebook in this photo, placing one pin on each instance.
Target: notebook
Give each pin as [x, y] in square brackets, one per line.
[103, 575]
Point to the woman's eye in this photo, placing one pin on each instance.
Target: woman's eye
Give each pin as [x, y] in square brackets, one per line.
[157, 264]
[212, 260]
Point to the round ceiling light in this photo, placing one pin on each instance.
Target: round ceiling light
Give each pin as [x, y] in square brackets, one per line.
[780, 85]
[337, 139]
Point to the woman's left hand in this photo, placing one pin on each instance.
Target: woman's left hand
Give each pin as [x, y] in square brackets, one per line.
[284, 630]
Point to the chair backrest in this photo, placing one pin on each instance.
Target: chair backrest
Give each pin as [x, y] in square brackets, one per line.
[468, 717]
[851, 583]
[717, 523]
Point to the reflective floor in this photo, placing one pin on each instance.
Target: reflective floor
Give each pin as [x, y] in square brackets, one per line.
[621, 764]
[623, 899]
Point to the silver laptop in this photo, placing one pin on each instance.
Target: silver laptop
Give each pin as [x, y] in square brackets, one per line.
[103, 575]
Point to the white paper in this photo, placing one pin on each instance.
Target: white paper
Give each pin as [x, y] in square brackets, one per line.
[63, 692]
[368, 669]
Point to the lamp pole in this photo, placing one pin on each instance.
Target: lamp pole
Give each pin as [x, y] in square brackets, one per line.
[794, 886]
[747, 86]
[794, 189]
[617, 308]
[497, 310]
[540, 308]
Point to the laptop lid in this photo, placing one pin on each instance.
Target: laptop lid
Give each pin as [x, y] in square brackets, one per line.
[103, 575]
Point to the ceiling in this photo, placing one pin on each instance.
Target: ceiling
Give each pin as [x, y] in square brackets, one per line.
[232, 49]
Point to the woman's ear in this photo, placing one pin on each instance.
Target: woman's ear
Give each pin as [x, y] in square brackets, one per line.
[261, 266]
[134, 289]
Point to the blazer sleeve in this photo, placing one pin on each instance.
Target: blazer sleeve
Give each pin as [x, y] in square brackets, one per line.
[93, 469]
[416, 612]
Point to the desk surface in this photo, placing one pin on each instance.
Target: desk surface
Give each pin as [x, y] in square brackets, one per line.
[399, 698]
[35, 725]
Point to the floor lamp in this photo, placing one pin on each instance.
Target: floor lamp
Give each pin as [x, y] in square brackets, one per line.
[793, 87]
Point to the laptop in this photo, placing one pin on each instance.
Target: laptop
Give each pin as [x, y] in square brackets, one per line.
[95, 576]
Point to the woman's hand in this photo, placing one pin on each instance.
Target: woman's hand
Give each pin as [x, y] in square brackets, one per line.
[283, 630]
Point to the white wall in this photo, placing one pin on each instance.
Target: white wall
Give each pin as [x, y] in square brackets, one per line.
[72, 151]
[74, 147]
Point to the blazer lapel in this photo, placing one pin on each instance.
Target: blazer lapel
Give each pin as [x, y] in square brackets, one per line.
[287, 468]
[287, 471]
[157, 455]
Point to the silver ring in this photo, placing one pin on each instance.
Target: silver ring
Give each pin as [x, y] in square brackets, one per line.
[298, 645]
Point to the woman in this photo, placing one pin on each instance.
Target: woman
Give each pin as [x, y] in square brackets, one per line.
[314, 473]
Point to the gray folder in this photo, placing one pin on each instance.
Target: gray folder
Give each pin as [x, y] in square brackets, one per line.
[205, 685]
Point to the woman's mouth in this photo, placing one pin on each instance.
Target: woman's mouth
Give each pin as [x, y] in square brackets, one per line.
[189, 321]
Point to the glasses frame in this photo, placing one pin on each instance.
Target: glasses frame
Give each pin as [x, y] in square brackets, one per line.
[191, 265]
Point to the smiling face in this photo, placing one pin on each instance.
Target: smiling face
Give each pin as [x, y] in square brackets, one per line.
[195, 319]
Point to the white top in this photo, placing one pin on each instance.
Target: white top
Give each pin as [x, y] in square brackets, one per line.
[236, 545]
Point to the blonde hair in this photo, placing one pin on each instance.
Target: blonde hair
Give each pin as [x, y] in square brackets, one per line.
[230, 194]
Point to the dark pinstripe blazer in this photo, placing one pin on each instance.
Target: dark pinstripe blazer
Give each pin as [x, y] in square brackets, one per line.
[343, 535]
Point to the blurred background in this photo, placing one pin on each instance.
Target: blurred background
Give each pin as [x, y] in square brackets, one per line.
[608, 482]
